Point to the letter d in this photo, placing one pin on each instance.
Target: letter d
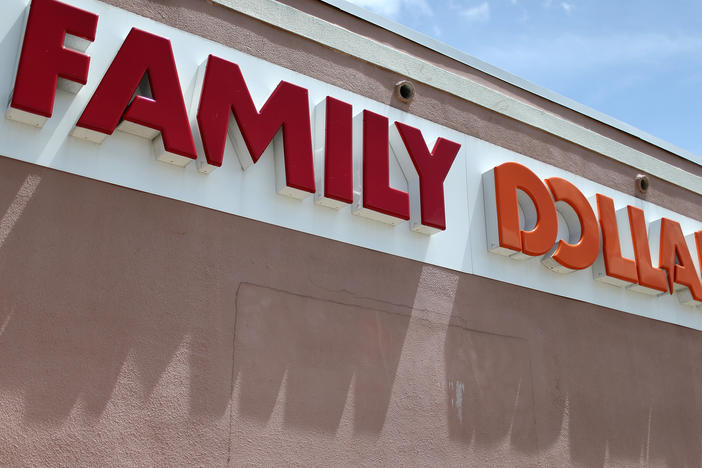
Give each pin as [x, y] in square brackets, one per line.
[508, 189]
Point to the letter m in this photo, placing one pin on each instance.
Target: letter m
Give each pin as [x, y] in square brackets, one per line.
[224, 92]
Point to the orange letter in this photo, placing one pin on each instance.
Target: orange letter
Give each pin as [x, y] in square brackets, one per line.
[612, 267]
[651, 280]
[505, 235]
[682, 272]
[583, 252]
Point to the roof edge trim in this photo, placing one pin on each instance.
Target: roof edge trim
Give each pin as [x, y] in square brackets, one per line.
[473, 62]
[330, 35]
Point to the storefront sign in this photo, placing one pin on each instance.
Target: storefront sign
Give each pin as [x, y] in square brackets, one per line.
[235, 132]
[523, 214]
[141, 94]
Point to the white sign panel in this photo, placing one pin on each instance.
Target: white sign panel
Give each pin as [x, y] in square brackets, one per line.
[261, 186]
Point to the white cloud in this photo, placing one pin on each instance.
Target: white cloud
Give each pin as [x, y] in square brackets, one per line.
[393, 8]
[479, 13]
[567, 7]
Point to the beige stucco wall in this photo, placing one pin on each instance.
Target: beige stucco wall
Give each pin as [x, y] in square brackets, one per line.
[138, 330]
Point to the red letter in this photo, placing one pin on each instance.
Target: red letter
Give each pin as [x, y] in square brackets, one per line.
[651, 280]
[224, 91]
[582, 253]
[44, 58]
[501, 187]
[380, 201]
[141, 53]
[333, 136]
[674, 256]
[431, 169]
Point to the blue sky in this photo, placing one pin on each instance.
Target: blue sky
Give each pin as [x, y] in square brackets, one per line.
[639, 61]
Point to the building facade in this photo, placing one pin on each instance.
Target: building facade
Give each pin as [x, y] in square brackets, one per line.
[285, 296]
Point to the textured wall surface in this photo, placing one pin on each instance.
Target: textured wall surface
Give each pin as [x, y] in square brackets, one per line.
[137, 330]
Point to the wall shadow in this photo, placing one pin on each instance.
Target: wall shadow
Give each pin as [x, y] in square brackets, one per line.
[608, 387]
[318, 346]
[92, 289]
[490, 389]
[119, 308]
[116, 299]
